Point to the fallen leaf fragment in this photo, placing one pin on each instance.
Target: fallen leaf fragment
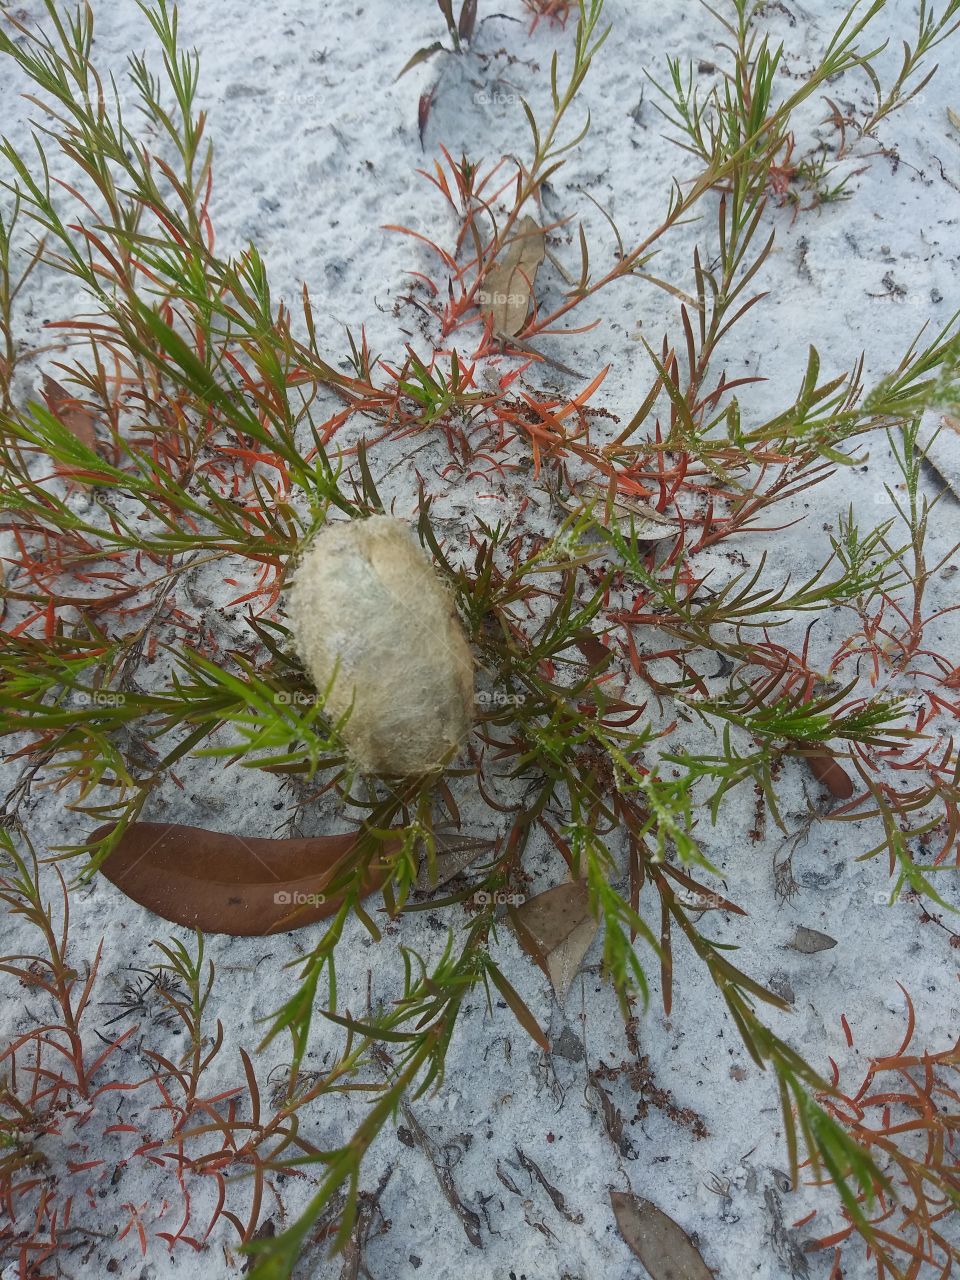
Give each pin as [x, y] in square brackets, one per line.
[810, 941]
[73, 413]
[556, 929]
[219, 883]
[593, 648]
[953, 117]
[833, 776]
[439, 1161]
[508, 285]
[665, 1249]
[453, 855]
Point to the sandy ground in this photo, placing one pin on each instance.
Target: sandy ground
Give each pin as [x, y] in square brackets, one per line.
[316, 149]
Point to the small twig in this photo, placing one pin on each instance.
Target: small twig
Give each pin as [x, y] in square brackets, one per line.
[469, 1220]
[354, 1262]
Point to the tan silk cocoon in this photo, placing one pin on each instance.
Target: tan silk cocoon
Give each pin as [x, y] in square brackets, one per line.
[365, 601]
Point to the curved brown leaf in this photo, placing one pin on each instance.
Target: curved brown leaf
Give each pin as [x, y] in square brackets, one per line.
[220, 883]
[665, 1249]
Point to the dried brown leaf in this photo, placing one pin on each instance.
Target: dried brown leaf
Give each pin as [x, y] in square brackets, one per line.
[73, 413]
[810, 941]
[508, 285]
[612, 1116]
[665, 1249]
[453, 854]
[439, 1161]
[556, 929]
[593, 648]
[221, 883]
[833, 776]
[559, 1202]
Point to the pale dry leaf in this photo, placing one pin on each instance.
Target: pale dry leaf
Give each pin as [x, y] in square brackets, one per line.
[953, 117]
[453, 855]
[665, 1249]
[556, 929]
[810, 941]
[508, 285]
[74, 415]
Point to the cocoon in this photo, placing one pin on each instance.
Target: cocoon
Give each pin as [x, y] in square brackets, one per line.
[367, 602]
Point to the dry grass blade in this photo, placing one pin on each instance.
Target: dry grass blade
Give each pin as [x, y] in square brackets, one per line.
[468, 20]
[421, 55]
[416, 1136]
